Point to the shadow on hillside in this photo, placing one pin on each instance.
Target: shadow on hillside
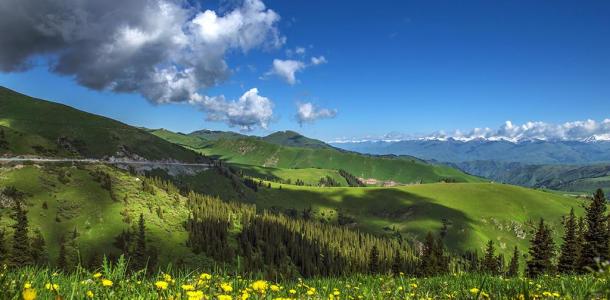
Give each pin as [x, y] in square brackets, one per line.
[376, 209]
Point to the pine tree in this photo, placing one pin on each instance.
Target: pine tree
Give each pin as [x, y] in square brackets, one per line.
[374, 260]
[489, 263]
[428, 259]
[542, 251]
[596, 237]
[62, 260]
[3, 251]
[397, 263]
[39, 254]
[139, 252]
[568, 257]
[513, 268]
[20, 254]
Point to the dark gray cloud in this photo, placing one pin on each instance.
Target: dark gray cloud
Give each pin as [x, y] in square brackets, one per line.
[165, 50]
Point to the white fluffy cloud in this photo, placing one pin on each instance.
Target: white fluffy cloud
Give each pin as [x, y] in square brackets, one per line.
[165, 50]
[309, 113]
[286, 69]
[570, 131]
[251, 110]
[318, 60]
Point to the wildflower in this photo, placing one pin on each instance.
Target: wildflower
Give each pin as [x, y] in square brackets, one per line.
[259, 286]
[224, 297]
[188, 287]
[27, 285]
[474, 291]
[161, 285]
[274, 288]
[292, 291]
[245, 295]
[106, 282]
[97, 275]
[227, 288]
[52, 287]
[89, 294]
[194, 295]
[29, 294]
[413, 285]
[336, 293]
[167, 277]
[310, 291]
[205, 276]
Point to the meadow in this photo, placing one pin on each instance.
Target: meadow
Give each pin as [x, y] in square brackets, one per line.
[115, 282]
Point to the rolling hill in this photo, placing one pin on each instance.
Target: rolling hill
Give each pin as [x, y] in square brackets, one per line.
[253, 151]
[32, 126]
[294, 139]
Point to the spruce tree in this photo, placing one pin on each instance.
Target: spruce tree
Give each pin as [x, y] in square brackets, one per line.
[3, 251]
[20, 254]
[568, 257]
[139, 252]
[39, 254]
[374, 260]
[513, 268]
[428, 259]
[542, 251]
[62, 260]
[596, 236]
[397, 263]
[489, 263]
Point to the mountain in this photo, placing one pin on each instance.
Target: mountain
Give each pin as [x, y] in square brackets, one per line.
[528, 151]
[214, 135]
[571, 178]
[258, 157]
[32, 126]
[294, 139]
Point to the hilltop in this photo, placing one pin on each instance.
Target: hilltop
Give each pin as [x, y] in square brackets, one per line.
[31, 126]
[257, 155]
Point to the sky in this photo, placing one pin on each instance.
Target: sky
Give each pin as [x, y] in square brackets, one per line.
[327, 69]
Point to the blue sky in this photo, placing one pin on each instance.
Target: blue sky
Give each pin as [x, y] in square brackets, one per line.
[412, 67]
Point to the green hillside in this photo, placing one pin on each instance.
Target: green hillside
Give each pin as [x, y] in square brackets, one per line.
[37, 127]
[254, 152]
[474, 212]
[264, 160]
[294, 139]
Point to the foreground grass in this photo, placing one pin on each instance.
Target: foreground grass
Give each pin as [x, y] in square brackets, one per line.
[115, 283]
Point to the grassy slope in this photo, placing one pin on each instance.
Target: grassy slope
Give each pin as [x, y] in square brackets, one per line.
[294, 139]
[477, 212]
[83, 204]
[40, 123]
[310, 176]
[258, 153]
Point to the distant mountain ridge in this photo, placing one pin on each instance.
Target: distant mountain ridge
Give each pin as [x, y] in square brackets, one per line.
[451, 150]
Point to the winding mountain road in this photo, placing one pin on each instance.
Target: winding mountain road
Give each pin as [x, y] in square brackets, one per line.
[99, 161]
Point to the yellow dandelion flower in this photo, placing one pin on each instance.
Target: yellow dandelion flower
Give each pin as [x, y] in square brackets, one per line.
[188, 287]
[29, 294]
[194, 295]
[336, 293]
[161, 285]
[311, 291]
[274, 288]
[167, 277]
[227, 288]
[413, 285]
[474, 291]
[224, 297]
[205, 276]
[52, 287]
[27, 285]
[106, 282]
[292, 291]
[259, 286]
[90, 294]
[245, 295]
[97, 275]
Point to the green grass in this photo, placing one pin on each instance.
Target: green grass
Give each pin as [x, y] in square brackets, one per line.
[476, 212]
[310, 176]
[82, 204]
[256, 152]
[189, 285]
[38, 127]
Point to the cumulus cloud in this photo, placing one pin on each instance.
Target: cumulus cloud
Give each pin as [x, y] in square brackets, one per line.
[588, 130]
[286, 69]
[309, 113]
[246, 113]
[165, 50]
[318, 60]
